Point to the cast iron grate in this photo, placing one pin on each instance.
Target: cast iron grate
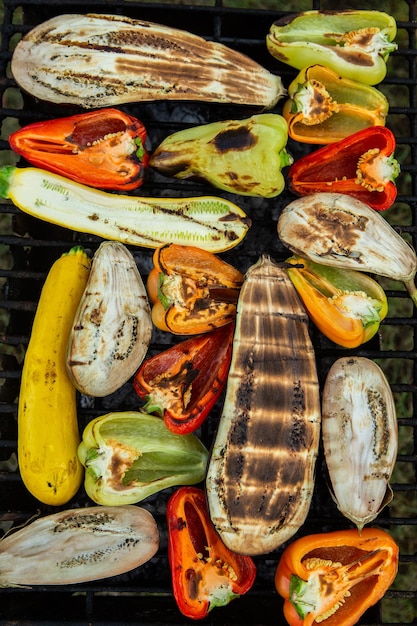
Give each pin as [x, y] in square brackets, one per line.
[29, 247]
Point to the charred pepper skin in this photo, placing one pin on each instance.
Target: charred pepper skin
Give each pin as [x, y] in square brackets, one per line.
[324, 107]
[103, 149]
[192, 290]
[205, 573]
[182, 383]
[316, 574]
[355, 44]
[245, 157]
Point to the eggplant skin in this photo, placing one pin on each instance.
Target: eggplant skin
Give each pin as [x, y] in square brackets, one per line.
[260, 476]
[96, 60]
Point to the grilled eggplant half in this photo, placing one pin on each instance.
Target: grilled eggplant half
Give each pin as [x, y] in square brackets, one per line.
[261, 472]
[96, 60]
[360, 437]
[112, 327]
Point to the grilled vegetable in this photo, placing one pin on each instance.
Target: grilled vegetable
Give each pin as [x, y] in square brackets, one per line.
[261, 472]
[112, 327]
[323, 107]
[360, 437]
[355, 44]
[240, 156]
[193, 291]
[48, 435]
[182, 384]
[104, 149]
[340, 231]
[130, 455]
[334, 577]
[77, 546]
[211, 223]
[205, 574]
[362, 165]
[98, 60]
[347, 306]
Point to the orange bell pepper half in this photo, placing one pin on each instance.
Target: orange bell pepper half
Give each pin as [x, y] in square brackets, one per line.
[334, 577]
[182, 383]
[103, 149]
[205, 573]
[324, 107]
[347, 306]
[193, 291]
[362, 165]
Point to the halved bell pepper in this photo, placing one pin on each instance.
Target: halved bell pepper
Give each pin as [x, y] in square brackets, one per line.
[240, 156]
[130, 455]
[205, 573]
[334, 577]
[324, 107]
[103, 148]
[354, 43]
[362, 165]
[192, 290]
[347, 306]
[182, 384]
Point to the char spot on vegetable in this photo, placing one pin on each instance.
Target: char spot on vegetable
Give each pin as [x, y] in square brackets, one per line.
[379, 412]
[180, 524]
[297, 438]
[354, 57]
[237, 139]
[193, 580]
[234, 467]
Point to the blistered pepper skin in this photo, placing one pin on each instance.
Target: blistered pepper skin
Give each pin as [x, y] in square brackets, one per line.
[355, 44]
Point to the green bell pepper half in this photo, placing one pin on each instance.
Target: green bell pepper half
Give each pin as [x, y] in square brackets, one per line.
[239, 156]
[354, 43]
[130, 455]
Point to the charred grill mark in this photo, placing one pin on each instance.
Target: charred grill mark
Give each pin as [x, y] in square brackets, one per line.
[333, 231]
[262, 475]
[115, 53]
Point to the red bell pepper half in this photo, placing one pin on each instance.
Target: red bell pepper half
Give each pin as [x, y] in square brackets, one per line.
[361, 165]
[205, 573]
[103, 148]
[182, 383]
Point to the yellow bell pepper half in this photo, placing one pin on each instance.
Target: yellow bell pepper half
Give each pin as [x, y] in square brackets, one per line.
[346, 306]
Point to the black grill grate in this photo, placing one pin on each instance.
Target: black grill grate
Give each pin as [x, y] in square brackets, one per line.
[29, 247]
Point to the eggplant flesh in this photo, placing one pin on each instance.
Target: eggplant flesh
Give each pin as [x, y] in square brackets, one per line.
[260, 477]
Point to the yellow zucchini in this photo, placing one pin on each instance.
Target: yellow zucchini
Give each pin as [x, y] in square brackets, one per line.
[48, 434]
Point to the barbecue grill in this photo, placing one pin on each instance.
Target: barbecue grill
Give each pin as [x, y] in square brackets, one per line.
[28, 248]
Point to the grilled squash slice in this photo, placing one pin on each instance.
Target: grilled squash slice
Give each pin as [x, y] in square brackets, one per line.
[261, 473]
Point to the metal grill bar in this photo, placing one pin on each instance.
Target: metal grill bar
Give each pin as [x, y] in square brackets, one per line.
[144, 596]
